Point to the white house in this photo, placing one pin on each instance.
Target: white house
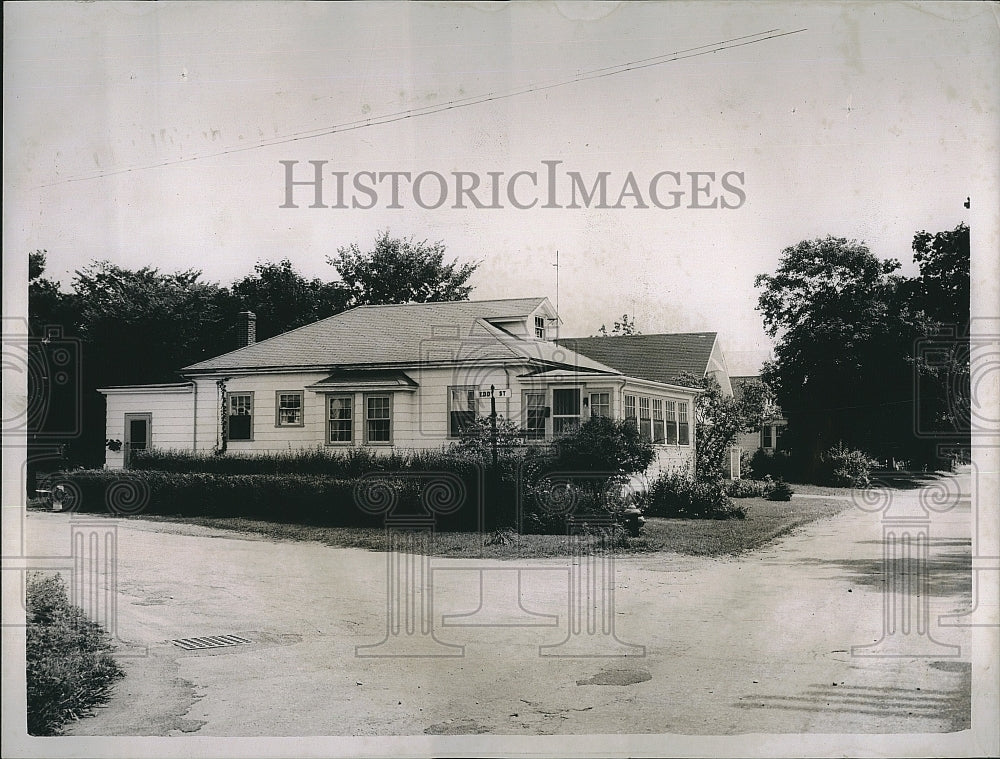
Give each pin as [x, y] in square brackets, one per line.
[396, 377]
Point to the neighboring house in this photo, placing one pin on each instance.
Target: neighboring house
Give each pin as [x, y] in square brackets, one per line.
[396, 377]
[768, 437]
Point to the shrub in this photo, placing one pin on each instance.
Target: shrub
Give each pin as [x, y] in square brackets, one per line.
[68, 658]
[677, 496]
[780, 491]
[749, 488]
[602, 446]
[777, 464]
[844, 467]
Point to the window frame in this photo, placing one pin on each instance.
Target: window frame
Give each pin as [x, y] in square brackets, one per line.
[683, 423]
[670, 425]
[599, 393]
[524, 415]
[473, 400]
[277, 408]
[230, 396]
[578, 416]
[367, 436]
[645, 422]
[540, 327]
[625, 410]
[327, 425]
[659, 418]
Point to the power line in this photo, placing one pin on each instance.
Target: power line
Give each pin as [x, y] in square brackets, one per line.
[600, 73]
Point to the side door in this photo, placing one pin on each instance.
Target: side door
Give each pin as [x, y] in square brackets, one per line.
[138, 434]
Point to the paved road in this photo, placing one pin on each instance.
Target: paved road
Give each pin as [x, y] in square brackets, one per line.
[762, 643]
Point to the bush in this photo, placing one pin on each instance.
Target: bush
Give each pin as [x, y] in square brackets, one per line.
[749, 488]
[602, 446]
[676, 496]
[68, 658]
[843, 467]
[780, 491]
[777, 464]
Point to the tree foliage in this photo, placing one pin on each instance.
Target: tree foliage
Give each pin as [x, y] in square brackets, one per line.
[625, 327]
[848, 330]
[720, 419]
[401, 271]
[283, 299]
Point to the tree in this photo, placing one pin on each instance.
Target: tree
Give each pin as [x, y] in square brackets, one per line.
[721, 419]
[624, 327]
[47, 304]
[845, 333]
[940, 299]
[401, 271]
[283, 299]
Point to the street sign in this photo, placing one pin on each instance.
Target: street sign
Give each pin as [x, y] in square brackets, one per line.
[500, 392]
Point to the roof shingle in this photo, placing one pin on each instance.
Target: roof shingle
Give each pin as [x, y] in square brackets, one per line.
[660, 358]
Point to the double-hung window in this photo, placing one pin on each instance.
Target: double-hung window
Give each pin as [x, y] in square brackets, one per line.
[683, 428]
[565, 410]
[645, 420]
[671, 437]
[288, 408]
[659, 431]
[630, 410]
[378, 419]
[461, 409]
[340, 419]
[534, 415]
[240, 413]
[540, 327]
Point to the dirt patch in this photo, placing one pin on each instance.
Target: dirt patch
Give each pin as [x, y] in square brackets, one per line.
[617, 677]
[952, 666]
[456, 727]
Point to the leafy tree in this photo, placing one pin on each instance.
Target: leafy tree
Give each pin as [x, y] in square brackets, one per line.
[283, 299]
[401, 271]
[721, 419]
[845, 334]
[47, 304]
[624, 327]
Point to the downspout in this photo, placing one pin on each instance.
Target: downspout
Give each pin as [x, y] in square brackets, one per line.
[194, 421]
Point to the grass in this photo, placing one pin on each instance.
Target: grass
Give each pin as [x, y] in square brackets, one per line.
[68, 658]
[765, 521]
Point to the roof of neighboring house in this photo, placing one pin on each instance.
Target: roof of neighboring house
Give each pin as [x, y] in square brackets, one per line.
[407, 334]
[660, 358]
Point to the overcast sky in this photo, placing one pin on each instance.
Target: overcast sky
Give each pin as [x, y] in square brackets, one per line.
[875, 121]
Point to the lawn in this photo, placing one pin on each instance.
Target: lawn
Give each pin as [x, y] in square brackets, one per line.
[765, 521]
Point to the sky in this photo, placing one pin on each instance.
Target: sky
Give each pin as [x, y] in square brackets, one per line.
[153, 134]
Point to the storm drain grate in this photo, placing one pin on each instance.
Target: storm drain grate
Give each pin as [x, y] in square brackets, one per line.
[211, 641]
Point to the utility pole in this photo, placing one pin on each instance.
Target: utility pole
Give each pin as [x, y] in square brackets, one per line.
[556, 264]
[493, 424]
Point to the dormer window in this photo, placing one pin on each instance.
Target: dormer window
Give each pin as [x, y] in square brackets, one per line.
[540, 327]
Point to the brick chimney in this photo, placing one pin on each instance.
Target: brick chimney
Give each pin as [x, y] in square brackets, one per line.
[246, 328]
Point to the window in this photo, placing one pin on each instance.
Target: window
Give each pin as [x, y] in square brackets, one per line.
[770, 435]
[534, 416]
[540, 327]
[683, 428]
[600, 404]
[240, 416]
[645, 421]
[659, 428]
[340, 419]
[630, 409]
[565, 410]
[378, 419]
[461, 409]
[288, 408]
[671, 436]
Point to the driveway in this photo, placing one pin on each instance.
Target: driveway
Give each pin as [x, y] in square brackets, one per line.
[769, 642]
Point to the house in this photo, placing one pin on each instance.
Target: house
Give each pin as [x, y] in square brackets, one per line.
[658, 358]
[662, 358]
[768, 437]
[395, 377]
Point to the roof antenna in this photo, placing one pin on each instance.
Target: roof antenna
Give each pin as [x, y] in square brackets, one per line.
[556, 264]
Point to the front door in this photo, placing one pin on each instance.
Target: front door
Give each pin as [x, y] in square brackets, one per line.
[138, 428]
